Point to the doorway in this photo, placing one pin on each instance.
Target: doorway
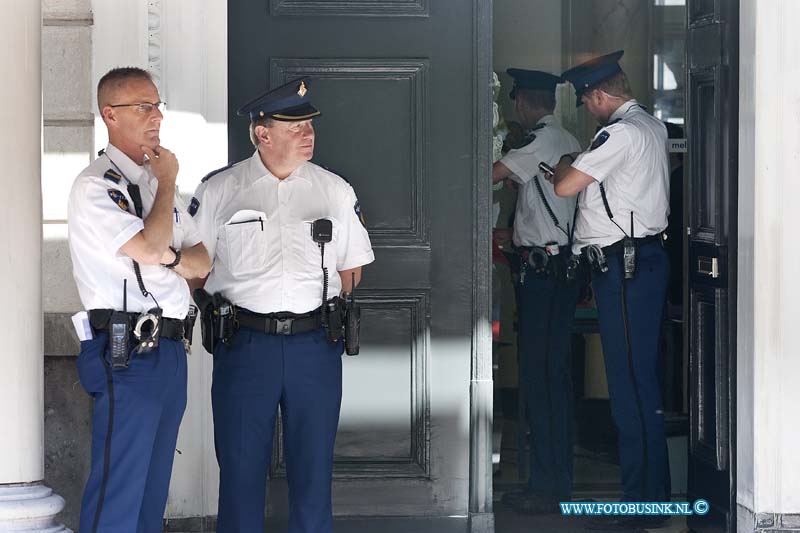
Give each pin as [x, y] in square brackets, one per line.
[680, 57]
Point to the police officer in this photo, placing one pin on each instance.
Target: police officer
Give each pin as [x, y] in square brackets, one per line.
[261, 220]
[623, 180]
[546, 299]
[128, 229]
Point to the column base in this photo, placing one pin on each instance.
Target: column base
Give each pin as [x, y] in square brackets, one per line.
[30, 507]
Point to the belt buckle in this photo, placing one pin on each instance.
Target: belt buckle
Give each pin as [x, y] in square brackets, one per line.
[283, 326]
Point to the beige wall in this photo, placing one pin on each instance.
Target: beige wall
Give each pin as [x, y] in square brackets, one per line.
[527, 34]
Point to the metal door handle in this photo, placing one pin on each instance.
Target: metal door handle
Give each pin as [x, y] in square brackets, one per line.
[708, 266]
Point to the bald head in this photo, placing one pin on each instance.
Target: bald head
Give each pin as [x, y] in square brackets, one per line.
[115, 81]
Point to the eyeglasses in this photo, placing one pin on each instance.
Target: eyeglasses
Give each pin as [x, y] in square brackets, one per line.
[144, 107]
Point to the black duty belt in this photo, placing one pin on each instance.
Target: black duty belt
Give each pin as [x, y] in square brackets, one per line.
[279, 323]
[524, 251]
[171, 328]
[617, 247]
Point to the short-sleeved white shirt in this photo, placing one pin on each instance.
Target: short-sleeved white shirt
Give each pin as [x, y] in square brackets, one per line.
[629, 157]
[257, 229]
[533, 225]
[101, 218]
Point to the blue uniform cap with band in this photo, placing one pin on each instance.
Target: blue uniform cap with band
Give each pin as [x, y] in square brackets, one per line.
[532, 79]
[588, 75]
[289, 103]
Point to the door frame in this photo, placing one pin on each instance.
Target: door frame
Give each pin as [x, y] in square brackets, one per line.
[481, 517]
[726, 73]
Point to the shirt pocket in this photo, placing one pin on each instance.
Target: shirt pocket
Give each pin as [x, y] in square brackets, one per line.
[245, 243]
[178, 232]
[312, 249]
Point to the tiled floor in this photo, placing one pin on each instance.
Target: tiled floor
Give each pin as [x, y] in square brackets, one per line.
[596, 477]
[506, 521]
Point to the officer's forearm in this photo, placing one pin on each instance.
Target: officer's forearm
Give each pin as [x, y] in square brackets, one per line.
[569, 181]
[194, 263]
[347, 279]
[500, 172]
[196, 283]
[157, 230]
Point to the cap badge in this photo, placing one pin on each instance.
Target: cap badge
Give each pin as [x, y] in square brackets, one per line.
[302, 90]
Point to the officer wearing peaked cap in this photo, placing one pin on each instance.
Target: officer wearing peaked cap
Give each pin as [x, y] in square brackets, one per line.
[260, 220]
[545, 298]
[623, 181]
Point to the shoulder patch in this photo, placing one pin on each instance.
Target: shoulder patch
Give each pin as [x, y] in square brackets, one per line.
[118, 198]
[601, 138]
[359, 213]
[215, 172]
[193, 206]
[112, 175]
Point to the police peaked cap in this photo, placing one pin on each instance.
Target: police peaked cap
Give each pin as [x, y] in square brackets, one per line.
[532, 79]
[588, 75]
[289, 103]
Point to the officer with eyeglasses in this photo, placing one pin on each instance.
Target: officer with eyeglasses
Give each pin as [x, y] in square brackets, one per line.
[133, 246]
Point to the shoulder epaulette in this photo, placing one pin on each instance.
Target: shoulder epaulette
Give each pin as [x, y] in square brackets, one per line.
[215, 172]
[601, 126]
[528, 139]
[332, 171]
[112, 175]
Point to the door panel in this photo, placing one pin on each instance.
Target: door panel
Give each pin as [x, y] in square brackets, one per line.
[394, 80]
[368, 95]
[710, 271]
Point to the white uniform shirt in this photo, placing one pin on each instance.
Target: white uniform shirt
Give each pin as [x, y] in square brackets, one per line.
[101, 219]
[629, 157]
[533, 226]
[257, 230]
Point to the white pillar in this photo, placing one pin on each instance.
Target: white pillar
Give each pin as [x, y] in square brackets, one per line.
[768, 366]
[25, 503]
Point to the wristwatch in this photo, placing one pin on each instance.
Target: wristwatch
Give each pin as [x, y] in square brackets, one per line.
[176, 261]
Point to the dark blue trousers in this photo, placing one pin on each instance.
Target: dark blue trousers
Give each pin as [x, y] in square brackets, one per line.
[546, 311]
[253, 375]
[633, 383]
[137, 412]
